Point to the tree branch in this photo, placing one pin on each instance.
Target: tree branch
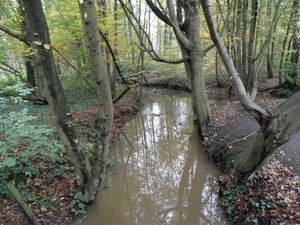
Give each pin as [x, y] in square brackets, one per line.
[153, 54]
[163, 17]
[178, 33]
[14, 35]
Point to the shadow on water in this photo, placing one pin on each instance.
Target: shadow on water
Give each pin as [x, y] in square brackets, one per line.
[160, 175]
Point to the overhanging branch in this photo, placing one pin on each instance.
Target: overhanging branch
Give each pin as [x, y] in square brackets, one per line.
[255, 110]
[14, 35]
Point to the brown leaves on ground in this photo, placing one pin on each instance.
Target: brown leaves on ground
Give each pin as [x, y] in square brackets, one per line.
[273, 196]
[50, 192]
[47, 193]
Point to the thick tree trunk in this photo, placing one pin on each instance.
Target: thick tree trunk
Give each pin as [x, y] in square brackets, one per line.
[188, 37]
[194, 67]
[102, 85]
[38, 35]
[276, 130]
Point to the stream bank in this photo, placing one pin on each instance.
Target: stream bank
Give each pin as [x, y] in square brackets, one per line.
[161, 174]
[271, 196]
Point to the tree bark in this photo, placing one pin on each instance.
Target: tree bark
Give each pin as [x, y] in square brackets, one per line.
[102, 85]
[278, 129]
[188, 35]
[38, 34]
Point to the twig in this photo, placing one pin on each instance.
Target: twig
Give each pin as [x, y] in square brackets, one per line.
[242, 139]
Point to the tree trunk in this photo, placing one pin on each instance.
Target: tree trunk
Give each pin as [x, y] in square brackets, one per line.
[276, 126]
[194, 68]
[30, 71]
[188, 37]
[38, 34]
[113, 80]
[253, 22]
[265, 48]
[102, 85]
[277, 129]
[283, 49]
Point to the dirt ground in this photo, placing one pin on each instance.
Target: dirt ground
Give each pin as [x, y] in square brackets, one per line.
[238, 130]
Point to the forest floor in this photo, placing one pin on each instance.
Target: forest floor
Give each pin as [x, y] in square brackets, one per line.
[273, 197]
[49, 193]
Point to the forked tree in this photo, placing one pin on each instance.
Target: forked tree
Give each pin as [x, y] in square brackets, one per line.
[277, 125]
[187, 33]
[89, 178]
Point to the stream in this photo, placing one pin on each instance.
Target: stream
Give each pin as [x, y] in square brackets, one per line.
[160, 173]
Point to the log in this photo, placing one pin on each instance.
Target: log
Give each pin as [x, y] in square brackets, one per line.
[10, 186]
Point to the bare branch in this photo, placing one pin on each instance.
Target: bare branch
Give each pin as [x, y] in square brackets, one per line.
[178, 33]
[14, 35]
[153, 54]
[163, 17]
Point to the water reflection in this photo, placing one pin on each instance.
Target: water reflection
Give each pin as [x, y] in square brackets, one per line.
[160, 175]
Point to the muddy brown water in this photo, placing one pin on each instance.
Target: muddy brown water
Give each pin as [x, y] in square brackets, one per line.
[160, 175]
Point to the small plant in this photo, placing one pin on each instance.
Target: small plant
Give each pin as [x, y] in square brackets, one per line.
[110, 162]
[77, 207]
[22, 139]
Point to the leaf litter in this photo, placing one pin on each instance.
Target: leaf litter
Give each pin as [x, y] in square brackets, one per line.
[49, 193]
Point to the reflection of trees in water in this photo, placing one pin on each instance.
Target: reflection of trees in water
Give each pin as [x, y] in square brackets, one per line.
[163, 181]
[163, 175]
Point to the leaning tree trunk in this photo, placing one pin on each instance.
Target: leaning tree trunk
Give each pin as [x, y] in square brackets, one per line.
[102, 85]
[277, 126]
[276, 129]
[38, 34]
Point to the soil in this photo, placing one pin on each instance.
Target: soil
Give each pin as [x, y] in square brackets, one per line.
[237, 132]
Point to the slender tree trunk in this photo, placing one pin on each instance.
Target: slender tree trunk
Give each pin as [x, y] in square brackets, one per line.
[238, 40]
[38, 34]
[265, 48]
[105, 109]
[253, 22]
[113, 80]
[270, 73]
[284, 49]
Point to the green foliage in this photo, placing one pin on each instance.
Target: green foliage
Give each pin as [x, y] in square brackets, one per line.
[262, 204]
[22, 139]
[230, 196]
[110, 162]
[77, 207]
[19, 89]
